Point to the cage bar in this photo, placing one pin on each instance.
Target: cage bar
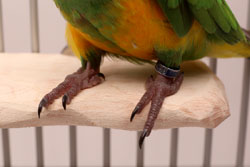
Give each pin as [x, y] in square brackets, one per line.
[213, 64]
[208, 148]
[244, 109]
[243, 115]
[1, 29]
[6, 147]
[5, 132]
[209, 132]
[174, 147]
[35, 47]
[73, 145]
[140, 152]
[106, 148]
[39, 147]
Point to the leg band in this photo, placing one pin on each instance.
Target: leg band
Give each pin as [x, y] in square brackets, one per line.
[166, 71]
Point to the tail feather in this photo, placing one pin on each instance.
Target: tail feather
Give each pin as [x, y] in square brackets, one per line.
[225, 50]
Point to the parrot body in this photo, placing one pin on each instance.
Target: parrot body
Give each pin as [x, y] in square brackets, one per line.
[169, 31]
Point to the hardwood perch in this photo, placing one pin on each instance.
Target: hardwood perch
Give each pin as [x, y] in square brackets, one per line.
[26, 78]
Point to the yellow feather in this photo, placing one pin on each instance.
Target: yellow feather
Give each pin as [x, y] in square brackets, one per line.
[228, 51]
[71, 42]
[81, 43]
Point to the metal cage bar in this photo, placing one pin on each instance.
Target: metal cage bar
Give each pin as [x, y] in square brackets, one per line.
[1, 28]
[174, 147]
[106, 147]
[208, 148]
[213, 64]
[35, 47]
[209, 132]
[5, 132]
[6, 147]
[244, 109]
[39, 147]
[140, 152]
[243, 115]
[73, 145]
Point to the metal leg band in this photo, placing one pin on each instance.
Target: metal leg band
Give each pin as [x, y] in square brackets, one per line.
[166, 71]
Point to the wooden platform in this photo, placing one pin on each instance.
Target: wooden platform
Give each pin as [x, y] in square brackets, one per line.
[26, 78]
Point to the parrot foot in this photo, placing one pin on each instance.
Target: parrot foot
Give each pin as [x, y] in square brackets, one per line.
[157, 89]
[71, 86]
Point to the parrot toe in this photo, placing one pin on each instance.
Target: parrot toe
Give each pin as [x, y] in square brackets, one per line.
[158, 89]
[71, 86]
[64, 101]
[146, 98]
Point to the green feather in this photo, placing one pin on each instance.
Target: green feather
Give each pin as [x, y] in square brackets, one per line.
[193, 2]
[220, 17]
[173, 3]
[204, 18]
[231, 17]
[170, 58]
[178, 15]
[86, 16]
[214, 16]
[217, 19]
[202, 4]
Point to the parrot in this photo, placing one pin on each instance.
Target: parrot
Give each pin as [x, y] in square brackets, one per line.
[164, 33]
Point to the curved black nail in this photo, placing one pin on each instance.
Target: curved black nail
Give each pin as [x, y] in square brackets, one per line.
[64, 101]
[143, 135]
[101, 75]
[40, 107]
[134, 113]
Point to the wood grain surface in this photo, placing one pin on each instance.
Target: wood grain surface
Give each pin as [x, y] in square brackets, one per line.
[26, 78]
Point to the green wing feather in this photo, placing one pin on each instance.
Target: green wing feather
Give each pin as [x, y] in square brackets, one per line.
[223, 24]
[178, 15]
[214, 16]
[86, 16]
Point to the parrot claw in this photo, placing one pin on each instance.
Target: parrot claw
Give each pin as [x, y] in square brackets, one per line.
[136, 110]
[40, 107]
[101, 75]
[142, 137]
[64, 101]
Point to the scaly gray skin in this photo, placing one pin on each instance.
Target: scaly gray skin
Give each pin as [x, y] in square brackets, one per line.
[72, 85]
[158, 89]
